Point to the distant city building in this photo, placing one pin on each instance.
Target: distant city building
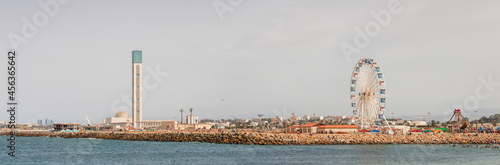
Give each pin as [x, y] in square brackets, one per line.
[49, 121]
[293, 118]
[256, 119]
[306, 117]
[241, 120]
[272, 119]
[3, 122]
[192, 119]
[333, 118]
[137, 88]
[277, 119]
[316, 118]
[40, 122]
[24, 126]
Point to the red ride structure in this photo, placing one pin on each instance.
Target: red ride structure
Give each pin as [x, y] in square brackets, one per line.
[459, 124]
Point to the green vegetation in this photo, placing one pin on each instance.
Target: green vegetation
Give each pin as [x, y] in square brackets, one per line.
[494, 119]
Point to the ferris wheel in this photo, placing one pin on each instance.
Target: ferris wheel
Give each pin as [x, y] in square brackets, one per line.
[368, 94]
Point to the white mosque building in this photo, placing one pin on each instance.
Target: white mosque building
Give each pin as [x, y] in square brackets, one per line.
[121, 118]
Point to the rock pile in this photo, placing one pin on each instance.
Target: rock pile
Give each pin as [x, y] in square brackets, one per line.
[276, 138]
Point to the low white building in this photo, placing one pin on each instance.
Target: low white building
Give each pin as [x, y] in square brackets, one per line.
[121, 118]
[253, 123]
[398, 128]
[225, 124]
[418, 123]
[193, 126]
[192, 119]
[162, 124]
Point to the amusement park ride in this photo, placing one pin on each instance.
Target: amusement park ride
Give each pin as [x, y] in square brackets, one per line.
[368, 94]
[459, 123]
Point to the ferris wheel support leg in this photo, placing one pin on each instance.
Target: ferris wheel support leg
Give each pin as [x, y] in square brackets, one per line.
[362, 107]
[387, 123]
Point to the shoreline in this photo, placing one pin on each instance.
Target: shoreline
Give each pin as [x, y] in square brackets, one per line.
[276, 138]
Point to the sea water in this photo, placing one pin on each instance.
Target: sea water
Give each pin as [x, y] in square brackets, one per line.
[50, 150]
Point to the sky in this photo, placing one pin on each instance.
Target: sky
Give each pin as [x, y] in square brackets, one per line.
[229, 59]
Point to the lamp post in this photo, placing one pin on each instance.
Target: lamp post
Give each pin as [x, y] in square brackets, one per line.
[181, 115]
[477, 119]
[429, 117]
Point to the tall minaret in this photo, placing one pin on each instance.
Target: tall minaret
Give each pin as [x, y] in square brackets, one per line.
[137, 88]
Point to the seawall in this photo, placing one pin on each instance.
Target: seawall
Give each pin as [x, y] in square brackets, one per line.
[277, 139]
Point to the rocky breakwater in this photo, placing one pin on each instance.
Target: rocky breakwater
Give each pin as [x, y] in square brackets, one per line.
[278, 139]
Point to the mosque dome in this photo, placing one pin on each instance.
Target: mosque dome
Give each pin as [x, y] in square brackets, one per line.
[122, 114]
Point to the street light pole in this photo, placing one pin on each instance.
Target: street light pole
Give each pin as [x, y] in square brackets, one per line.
[181, 115]
[477, 119]
[429, 117]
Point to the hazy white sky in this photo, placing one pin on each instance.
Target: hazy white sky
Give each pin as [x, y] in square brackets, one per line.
[263, 55]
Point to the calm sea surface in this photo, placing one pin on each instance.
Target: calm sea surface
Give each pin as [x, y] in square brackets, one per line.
[45, 150]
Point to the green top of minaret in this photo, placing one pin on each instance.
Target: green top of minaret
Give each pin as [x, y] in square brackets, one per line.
[137, 56]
